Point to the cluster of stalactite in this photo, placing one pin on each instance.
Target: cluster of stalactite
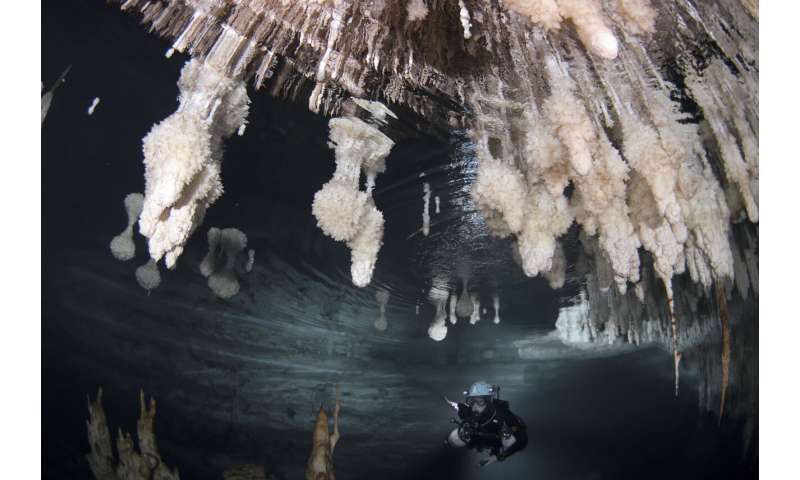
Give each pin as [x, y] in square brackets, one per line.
[717, 338]
[557, 92]
[637, 120]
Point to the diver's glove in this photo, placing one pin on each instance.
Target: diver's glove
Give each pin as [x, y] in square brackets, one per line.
[488, 461]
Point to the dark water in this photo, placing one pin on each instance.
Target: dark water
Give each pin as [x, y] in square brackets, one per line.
[239, 381]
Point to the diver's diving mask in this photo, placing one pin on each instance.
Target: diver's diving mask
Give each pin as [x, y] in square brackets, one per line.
[478, 401]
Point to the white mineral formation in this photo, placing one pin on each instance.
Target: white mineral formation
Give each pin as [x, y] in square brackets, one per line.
[426, 209]
[436, 200]
[587, 17]
[438, 298]
[382, 296]
[638, 16]
[463, 15]
[476, 309]
[148, 276]
[573, 322]
[557, 275]
[343, 211]
[452, 308]
[47, 97]
[251, 260]
[122, 246]
[225, 248]
[94, 104]
[416, 10]
[543, 13]
[183, 157]
[496, 302]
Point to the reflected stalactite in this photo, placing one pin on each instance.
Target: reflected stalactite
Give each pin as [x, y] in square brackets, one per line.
[130, 464]
[320, 462]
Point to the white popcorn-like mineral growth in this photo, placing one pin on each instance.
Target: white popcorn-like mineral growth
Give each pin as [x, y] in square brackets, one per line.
[416, 10]
[343, 211]
[225, 252]
[586, 15]
[122, 246]
[638, 16]
[183, 157]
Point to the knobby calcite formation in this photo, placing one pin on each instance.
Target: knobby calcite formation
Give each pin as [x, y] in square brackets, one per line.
[183, 157]
[130, 464]
[343, 211]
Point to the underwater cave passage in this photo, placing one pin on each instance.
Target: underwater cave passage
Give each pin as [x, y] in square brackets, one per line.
[401, 239]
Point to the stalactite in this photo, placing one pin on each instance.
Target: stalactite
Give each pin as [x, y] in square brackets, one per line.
[183, 157]
[382, 297]
[148, 276]
[725, 358]
[452, 307]
[122, 246]
[343, 211]
[426, 208]
[464, 307]
[225, 260]
[438, 298]
[47, 97]
[476, 309]
[95, 102]
[673, 320]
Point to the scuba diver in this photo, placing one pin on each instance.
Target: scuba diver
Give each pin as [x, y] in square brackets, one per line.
[487, 423]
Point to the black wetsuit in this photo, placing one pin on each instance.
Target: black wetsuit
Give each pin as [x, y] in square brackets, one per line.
[485, 430]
